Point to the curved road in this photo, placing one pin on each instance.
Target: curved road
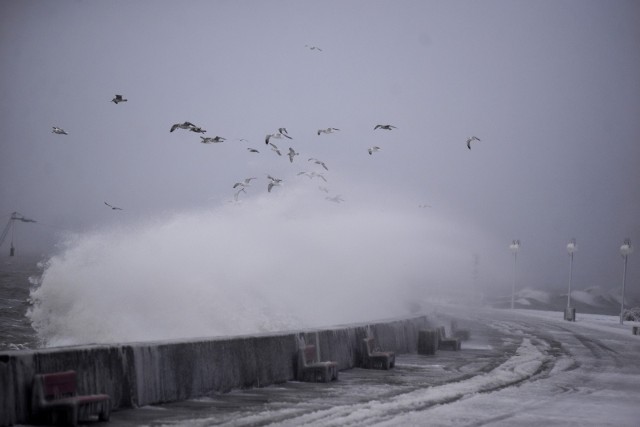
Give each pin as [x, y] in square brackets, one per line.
[519, 368]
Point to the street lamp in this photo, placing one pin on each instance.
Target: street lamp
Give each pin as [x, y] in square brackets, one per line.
[570, 313]
[514, 247]
[625, 250]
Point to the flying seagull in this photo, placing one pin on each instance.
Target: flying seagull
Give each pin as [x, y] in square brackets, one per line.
[275, 148]
[237, 193]
[471, 138]
[373, 149]
[292, 153]
[387, 127]
[252, 150]
[336, 199]
[245, 183]
[284, 132]
[276, 135]
[208, 140]
[185, 125]
[118, 98]
[59, 131]
[313, 175]
[312, 47]
[115, 208]
[318, 162]
[272, 182]
[327, 130]
[197, 129]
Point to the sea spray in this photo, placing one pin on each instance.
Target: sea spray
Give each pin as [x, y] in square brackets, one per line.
[273, 262]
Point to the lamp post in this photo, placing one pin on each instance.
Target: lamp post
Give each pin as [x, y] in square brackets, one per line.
[514, 247]
[625, 250]
[570, 313]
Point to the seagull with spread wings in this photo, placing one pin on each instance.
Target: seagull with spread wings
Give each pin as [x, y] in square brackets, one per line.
[292, 153]
[275, 149]
[185, 125]
[273, 182]
[115, 208]
[282, 133]
[118, 98]
[245, 183]
[214, 140]
[386, 127]
[327, 130]
[318, 162]
[471, 138]
[197, 129]
[335, 199]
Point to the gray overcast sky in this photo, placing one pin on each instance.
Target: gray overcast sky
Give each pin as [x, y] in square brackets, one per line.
[552, 89]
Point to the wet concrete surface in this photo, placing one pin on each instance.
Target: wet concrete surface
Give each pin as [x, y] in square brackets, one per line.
[515, 370]
[284, 403]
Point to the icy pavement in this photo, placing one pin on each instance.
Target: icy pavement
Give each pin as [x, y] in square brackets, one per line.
[520, 368]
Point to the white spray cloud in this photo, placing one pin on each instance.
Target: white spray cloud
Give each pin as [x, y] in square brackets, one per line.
[280, 261]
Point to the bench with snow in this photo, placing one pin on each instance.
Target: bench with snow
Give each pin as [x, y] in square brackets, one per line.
[374, 358]
[447, 343]
[461, 334]
[55, 398]
[311, 370]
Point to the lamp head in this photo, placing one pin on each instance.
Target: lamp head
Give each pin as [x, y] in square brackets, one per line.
[626, 248]
[515, 246]
[572, 247]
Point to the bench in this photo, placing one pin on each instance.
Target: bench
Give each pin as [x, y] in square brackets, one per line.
[446, 343]
[461, 334]
[54, 396]
[374, 358]
[311, 370]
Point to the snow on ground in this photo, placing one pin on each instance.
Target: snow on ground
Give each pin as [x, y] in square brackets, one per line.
[582, 373]
[600, 322]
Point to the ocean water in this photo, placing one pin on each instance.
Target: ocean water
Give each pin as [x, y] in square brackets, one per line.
[18, 275]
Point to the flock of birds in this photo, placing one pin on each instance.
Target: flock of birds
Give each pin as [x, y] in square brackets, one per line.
[280, 134]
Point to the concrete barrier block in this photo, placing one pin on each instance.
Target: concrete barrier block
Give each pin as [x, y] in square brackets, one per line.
[570, 314]
[427, 342]
[138, 374]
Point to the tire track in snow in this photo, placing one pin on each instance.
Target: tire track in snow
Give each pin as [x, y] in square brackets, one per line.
[528, 361]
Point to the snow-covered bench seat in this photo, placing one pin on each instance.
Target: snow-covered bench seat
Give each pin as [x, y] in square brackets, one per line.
[55, 398]
[311, 370]
[374, 358]
[447, 343]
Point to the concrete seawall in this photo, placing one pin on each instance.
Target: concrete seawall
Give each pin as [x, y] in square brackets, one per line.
[138, 374]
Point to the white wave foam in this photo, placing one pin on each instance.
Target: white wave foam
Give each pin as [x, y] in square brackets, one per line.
[276, 262]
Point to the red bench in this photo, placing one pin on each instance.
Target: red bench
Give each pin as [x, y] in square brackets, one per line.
[311, 370]
[374, 358]
[54, 396]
